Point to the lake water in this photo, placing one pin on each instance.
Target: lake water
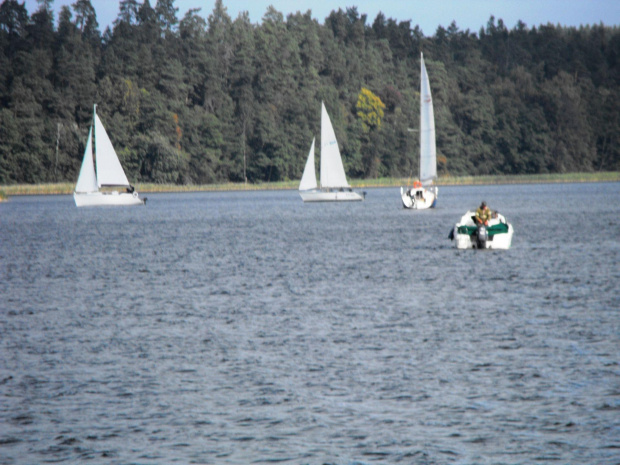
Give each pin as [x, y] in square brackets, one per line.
[242, 328]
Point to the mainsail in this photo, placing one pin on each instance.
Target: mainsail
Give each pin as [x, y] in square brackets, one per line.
[332, 170]
[109, 169]
[428, 151]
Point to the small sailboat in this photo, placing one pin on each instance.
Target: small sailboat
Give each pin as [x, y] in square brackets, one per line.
[424, 193]
[108, 173]
[468, 235]
[334, 185]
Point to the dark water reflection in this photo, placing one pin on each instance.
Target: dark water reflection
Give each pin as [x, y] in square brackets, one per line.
[251, 328]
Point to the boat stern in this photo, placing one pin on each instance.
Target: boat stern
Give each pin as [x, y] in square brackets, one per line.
[418, 198]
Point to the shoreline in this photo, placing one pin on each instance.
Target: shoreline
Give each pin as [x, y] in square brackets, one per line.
[67, 188]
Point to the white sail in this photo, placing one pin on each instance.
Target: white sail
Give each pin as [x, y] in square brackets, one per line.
[87, 180]
[332, 170]
[428, 151]
[308, 178]
[109, 169]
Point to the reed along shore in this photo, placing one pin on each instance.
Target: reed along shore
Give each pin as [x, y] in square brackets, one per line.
[67, 188]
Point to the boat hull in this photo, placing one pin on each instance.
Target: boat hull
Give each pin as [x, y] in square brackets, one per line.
[333, 195]
[103, 199]
[419, 198]
[465, 238]
[498, 241]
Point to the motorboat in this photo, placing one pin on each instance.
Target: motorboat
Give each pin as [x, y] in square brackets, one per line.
[497, 234]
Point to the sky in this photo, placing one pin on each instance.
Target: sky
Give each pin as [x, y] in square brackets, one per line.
[428, 15]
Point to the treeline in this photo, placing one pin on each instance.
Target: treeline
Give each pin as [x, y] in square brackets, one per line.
[197, 100]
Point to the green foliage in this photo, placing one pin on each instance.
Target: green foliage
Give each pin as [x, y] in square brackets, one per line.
[216, 100]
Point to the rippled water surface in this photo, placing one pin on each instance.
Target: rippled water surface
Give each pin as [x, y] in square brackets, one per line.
[246, 328]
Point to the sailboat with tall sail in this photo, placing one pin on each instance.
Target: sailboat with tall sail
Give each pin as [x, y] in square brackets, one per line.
[334, 185]
[423, 193]
[104, 171]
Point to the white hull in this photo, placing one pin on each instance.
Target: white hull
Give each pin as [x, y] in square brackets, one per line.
[101, 199]
[419, 198]
[500, 241]
[330, 195]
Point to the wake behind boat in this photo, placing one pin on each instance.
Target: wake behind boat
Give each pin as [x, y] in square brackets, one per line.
[424, 193]
[109, 173]
[334, 184]
[467, 234]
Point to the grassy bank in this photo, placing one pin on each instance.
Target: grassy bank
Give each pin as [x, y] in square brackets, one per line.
[67, 188]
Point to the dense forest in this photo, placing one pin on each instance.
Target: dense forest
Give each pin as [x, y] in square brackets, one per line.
[192, 100]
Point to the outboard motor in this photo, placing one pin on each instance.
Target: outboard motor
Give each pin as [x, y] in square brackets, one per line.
[481, 237]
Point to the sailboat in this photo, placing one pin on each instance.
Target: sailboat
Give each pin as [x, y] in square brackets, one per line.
[108, 173]
[424, 193]
[334, 185]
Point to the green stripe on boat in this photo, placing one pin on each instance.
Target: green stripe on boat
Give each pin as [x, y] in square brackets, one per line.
[500, 228]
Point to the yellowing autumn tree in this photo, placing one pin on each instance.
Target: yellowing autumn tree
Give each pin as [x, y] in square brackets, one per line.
[369, 109]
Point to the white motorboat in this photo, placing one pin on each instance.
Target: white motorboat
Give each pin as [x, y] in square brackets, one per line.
[468, 235]
[334, 184]
[423, 194]
[108, 173]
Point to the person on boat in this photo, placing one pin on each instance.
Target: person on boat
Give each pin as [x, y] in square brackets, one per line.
[413, 192]
[483, 215]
